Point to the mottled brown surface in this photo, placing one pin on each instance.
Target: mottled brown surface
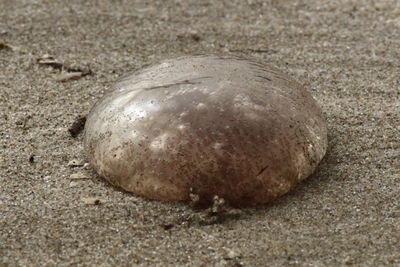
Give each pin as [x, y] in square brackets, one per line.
[346, 53]
[208, 125]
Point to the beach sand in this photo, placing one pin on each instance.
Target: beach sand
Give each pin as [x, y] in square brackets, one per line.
[345, 52]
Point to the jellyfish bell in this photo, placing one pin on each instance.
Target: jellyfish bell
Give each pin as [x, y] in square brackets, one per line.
[209, 124]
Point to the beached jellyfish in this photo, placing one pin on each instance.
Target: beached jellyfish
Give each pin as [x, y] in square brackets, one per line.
[209, 125]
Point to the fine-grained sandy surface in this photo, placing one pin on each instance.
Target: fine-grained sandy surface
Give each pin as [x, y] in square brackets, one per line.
[345, 52]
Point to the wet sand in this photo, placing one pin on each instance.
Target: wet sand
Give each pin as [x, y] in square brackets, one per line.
[345, 52]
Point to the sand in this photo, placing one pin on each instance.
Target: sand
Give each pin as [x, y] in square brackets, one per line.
[345, 52]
